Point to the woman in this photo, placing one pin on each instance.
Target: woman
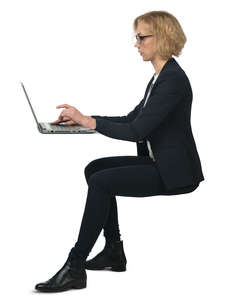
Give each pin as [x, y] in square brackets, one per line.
[167, 162]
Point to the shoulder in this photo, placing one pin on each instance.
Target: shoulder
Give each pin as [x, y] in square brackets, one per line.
[171, 79]
[172, 83]
[173, 76]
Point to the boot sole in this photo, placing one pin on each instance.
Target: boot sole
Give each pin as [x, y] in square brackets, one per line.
[113, 268]
[80, 285]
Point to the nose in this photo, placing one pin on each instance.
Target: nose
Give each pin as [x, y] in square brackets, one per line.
[136, 44]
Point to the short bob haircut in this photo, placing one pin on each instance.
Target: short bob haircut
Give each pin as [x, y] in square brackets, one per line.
[170, 38]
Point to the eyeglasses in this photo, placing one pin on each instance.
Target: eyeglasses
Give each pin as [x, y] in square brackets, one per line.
[140, 38]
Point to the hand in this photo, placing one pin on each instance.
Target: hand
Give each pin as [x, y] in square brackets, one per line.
[70, 115]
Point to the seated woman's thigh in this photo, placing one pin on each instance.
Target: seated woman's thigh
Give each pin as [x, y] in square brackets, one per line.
[130, 180]
[113, 162]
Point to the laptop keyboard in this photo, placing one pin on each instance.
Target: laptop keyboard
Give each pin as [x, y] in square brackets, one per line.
[66, 128]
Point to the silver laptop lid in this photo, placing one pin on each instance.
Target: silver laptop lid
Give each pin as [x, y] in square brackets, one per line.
[30, 104]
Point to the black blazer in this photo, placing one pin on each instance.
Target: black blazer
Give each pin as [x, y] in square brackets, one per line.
[165, 122]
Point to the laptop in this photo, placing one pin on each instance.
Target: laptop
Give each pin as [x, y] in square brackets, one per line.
[58, 128]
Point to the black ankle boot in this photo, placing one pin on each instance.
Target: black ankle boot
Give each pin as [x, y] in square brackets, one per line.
[71, 276]
[112, 257]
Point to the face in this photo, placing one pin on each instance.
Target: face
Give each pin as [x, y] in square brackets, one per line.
[147, 47]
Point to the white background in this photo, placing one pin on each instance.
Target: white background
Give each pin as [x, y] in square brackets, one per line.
[82, 53]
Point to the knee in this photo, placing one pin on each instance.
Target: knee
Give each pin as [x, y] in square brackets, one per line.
[95, 179]
[102, 180]
[90, 169]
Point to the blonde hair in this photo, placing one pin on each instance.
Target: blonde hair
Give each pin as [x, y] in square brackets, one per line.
[170, 38]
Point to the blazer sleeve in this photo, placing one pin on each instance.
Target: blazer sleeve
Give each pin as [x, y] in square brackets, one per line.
[124, 119]
[163, 100]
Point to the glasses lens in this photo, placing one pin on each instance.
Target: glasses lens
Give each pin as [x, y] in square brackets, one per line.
[138, 38]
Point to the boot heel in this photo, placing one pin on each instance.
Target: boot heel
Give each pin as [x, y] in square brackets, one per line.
[80, 285]
[118, 268]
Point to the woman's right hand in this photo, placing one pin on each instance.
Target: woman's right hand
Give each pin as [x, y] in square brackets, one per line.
[69, 115]
[65, 120]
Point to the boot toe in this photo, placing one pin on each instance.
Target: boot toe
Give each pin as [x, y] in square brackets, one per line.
[42, 286]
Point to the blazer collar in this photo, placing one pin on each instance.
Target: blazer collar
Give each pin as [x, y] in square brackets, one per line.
[170, 62]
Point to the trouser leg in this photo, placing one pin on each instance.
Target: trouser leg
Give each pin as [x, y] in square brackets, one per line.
[139, 181]
[94, 217]
[111, 227]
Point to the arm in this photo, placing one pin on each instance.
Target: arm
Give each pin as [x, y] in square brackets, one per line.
[165, 98]
[124, 119]
[112, 119]
[72, 116]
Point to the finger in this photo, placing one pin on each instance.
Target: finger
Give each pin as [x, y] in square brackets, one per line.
[63, 106]
[56, 122]
[66, 119]
[70, 123]
[60, 119]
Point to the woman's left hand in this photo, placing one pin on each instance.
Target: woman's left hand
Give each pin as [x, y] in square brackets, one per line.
[71, 116]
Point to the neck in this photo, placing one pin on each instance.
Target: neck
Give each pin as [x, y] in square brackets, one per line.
[158, 64]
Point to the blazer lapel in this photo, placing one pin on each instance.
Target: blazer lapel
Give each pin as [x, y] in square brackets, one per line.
[147, 89]
[168, 64]
[161, 74]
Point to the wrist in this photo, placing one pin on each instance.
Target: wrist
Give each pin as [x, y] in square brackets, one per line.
[93, 123]
[89, 122]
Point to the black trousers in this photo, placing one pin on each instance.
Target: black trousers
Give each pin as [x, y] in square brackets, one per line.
[129, 176]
